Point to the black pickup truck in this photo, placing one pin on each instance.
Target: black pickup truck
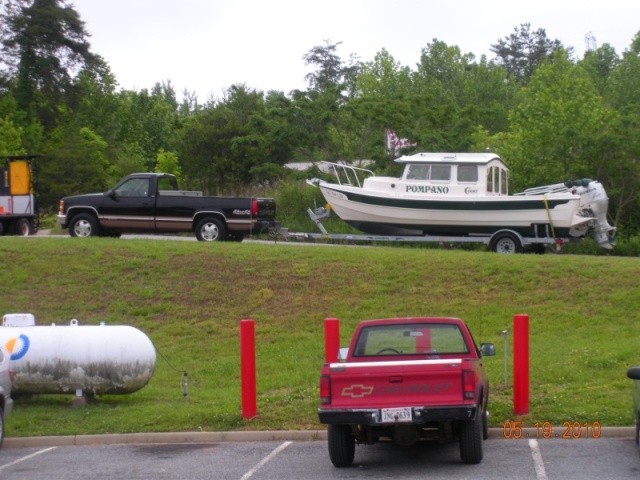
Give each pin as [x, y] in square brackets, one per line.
[152, 203]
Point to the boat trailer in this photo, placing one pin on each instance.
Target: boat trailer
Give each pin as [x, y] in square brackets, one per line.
[502, 241]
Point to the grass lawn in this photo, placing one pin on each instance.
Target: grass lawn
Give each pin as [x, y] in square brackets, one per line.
[188, 298]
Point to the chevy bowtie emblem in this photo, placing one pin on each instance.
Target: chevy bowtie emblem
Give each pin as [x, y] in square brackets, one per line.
[356, 391]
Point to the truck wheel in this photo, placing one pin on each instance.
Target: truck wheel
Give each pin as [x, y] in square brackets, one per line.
[24, 227]
[471, 440]
[506, 243]
[84, 225]
[342, 445]
[211, 230]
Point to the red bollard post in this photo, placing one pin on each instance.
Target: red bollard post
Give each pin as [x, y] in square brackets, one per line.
[521, 364]
[248, 368]
[331, 339]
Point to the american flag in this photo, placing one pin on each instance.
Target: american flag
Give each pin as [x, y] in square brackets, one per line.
[393, 142]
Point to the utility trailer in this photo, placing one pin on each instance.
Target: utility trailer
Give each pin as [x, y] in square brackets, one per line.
[18, 212]
[502, 241]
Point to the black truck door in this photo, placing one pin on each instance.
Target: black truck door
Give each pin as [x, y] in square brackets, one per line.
[130, 206]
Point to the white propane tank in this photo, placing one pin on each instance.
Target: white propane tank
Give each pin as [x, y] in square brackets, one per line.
[104, 359]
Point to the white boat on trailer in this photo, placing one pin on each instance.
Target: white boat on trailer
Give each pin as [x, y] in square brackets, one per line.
[464, 196]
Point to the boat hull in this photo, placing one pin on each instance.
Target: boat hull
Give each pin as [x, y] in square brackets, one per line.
[534, 215]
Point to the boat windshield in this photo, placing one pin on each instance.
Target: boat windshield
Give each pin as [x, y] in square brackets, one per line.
[413, 339]
[428, 172]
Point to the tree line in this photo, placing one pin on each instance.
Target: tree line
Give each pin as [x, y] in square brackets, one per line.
[551, 116]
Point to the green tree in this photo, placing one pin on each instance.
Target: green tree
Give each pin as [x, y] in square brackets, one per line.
[383, 77]
[148, 121]
[489, 96]
[442, 117]
[558, 128]
[523, 51]
[10, 138]
[600, 63]
[75, 164]
[168, 163]
[224, 145]
[623, 153]
[332, 73]
[44, 43]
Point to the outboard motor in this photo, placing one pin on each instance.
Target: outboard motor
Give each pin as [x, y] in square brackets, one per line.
[595, 203]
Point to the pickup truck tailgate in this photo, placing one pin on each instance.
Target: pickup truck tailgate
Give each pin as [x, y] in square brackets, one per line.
[383, 384]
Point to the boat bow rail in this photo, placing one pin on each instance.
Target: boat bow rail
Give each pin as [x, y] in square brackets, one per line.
[348, 174]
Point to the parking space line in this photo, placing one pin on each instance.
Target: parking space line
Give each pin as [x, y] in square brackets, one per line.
[275, 452]
[26, 458]
[541, 473]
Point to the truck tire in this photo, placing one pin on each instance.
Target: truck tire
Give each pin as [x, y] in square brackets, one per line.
[211, 230]
[506, 243]
[342, 445]
[24, 227]
[471, 440]
[84, 225]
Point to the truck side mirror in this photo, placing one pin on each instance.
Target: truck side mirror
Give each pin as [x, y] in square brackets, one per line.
[342, 354]
[487, 349]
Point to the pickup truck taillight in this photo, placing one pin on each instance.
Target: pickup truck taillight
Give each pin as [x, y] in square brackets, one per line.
[61, 207]
[469, 380]
[325, 390]
[254, 208]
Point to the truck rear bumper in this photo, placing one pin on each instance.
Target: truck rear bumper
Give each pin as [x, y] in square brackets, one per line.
[62, 220]
[372, 416]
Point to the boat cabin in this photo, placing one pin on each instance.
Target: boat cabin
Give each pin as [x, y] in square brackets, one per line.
[465, 173]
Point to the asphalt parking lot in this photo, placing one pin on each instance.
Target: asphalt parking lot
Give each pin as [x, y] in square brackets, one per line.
[303, 455]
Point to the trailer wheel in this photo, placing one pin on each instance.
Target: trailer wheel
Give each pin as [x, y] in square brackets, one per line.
[506, 243]
[342, 445]
[84, 225]
[24, 227]
[211, 230]
[471, 440]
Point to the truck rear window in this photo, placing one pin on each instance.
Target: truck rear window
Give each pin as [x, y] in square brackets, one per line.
[413, 339]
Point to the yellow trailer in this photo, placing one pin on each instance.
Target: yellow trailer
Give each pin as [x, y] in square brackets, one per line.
[18, 212]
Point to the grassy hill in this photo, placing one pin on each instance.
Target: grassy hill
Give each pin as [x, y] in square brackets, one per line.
[189, 297]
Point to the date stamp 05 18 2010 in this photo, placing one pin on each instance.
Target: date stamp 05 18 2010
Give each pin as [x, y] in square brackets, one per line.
[544, 430]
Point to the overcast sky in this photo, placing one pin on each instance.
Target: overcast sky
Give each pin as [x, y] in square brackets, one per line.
[205, 46]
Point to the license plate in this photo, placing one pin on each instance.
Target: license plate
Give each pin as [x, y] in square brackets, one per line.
[396, 415]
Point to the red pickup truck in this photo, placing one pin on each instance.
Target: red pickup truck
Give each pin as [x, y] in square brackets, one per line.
[407, 379]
